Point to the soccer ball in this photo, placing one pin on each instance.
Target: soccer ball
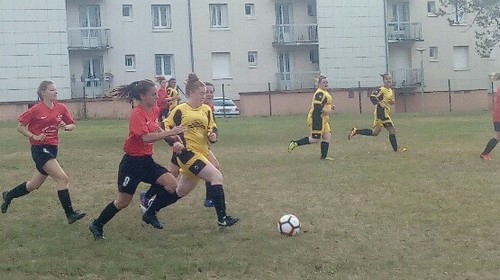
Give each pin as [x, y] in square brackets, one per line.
[289, 225]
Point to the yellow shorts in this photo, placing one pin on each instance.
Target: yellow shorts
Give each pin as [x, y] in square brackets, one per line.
[191, 164]
[316, 134]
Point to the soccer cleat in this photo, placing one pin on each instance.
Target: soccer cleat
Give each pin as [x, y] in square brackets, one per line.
[75, 216]
[97, 231]
[327, 158]
[144, 202]
[227, 221]
[6, 202]
[482, 156]
[292, 146]
[208, 203]
[401, 150]
[352, 133]
[152, 220]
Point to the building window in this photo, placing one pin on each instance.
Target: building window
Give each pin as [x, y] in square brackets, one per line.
[252, 59]
[458, 14]
[164, 64]
[461, 58]
[431, 7]
[221, 65]
[161, 16]
[250, 10]
[127, 12]
[314, 56]
[311, 9]
[433, 53]
[130, 62]
[218, 16]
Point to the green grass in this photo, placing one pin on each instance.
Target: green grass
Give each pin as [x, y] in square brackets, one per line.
[429, 213]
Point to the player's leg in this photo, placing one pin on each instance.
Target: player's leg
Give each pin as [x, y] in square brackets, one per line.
[392, 136]
[212, 174]
[314, 136]
[54, 170]
[325, 141]
[492, 143]
[129, 176]
[208, 200]
[22, 189]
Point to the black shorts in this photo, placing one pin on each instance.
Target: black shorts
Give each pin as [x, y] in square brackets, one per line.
[496, 125]
[42, 154]
[134, 170]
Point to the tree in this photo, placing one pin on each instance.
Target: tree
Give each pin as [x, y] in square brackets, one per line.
[486, 16]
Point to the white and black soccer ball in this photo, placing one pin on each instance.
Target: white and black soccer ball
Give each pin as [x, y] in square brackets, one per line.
[289, 225]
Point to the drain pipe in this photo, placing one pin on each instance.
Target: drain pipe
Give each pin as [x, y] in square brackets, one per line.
[191, 36]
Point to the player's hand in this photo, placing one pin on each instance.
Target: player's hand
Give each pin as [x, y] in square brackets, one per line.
[212, 137]
[178, 147]
[62, 125]
[39, 137]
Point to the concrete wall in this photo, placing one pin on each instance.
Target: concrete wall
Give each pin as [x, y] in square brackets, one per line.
[286, 103]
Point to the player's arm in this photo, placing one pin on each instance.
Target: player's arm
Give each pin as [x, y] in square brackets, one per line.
[376, 98]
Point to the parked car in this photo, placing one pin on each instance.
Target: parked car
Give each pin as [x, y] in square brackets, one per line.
[225, 106]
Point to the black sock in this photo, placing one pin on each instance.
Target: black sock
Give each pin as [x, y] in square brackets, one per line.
[207, 188]
[65, 201]
[107, 214]
[163, 199]
[153, 190]
[17, 192]
[490, 146]
[394, 142]
[303, 141]
[217, 195]
[365, 131]
[324, 149]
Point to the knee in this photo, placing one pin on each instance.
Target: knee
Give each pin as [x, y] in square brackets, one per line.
[121, 203]
[217, 178]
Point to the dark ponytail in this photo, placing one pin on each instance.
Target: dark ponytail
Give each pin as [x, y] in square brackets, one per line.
[133, 90]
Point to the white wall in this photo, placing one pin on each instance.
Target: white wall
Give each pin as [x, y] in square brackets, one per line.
[33, 47]
[351, 41]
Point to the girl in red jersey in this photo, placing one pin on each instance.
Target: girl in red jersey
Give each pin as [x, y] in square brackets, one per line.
[41, 124]
[164, 100]
[496, 125]
[137, 165]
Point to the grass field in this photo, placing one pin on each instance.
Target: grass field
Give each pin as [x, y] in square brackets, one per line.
[429, 213]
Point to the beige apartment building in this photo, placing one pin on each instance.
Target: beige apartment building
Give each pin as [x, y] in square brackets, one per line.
[88, 46]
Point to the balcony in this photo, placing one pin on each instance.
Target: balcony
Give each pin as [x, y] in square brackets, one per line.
[404, 31]
[295, 34]
[89, 38]
[296, 80]
[406, 78]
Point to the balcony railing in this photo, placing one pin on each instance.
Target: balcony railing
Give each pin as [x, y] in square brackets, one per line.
[89, 38]
[295, 34]
[404, 31]
[296, 80]
[404, 78]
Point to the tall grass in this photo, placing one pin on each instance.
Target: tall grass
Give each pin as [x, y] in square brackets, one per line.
[429, 213]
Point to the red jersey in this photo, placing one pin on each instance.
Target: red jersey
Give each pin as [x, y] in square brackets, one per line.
[42, 119]
[162, 102]
[496, 109]
[141, 123]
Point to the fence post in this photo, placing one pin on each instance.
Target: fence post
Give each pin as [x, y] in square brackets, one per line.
[84, 103]
[270, 103]
[223, 101]
[449, 93]
[359, 98]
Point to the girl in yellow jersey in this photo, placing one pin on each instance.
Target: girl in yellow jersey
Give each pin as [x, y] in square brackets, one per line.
[318, 120]
[383, 98]
[192, 152]
[172, 93]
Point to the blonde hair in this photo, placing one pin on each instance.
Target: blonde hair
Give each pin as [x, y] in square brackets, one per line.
[44, 85]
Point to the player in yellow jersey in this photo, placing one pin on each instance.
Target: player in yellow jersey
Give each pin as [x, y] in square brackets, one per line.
[173, 93]
[383, 98]
[192, 153]
[318, 120]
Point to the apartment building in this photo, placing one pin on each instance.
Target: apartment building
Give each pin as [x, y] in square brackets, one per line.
[88, 46]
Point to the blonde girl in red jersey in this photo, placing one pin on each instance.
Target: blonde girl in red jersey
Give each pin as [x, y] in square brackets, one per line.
[496, 126]
[137, 164]
[41, 124]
